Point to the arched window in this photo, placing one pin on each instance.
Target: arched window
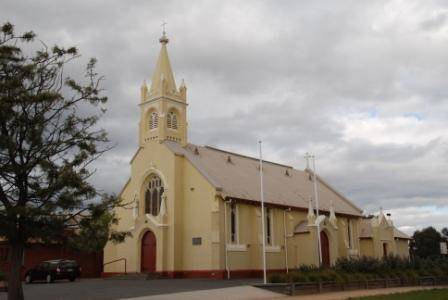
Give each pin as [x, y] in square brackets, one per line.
[153, 120]
[171, 120]
[153, 196]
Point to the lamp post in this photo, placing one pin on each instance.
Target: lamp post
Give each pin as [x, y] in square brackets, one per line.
[263, 229]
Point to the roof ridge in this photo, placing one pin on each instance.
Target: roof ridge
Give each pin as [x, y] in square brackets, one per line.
[245, 156]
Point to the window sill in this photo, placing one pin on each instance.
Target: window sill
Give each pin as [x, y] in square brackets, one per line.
[273, 249]
[237, 247]
[353, 252]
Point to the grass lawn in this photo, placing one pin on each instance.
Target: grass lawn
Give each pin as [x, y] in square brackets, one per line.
[435, 294]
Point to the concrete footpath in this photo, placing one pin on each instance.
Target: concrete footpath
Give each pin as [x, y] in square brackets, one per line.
[245, 292]
[358, 293]
[252, 293]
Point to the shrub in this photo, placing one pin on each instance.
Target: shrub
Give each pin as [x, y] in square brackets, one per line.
[372, 265]
[307, 268]
[277, 278]
[423, 272]
[437, 272]
[411, 274]
[353, 265]
[313, 276]
[339, 278]
[365, 268]
[298, 277]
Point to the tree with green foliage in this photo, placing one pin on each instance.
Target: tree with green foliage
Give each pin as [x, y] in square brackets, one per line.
[49, 138]
[426, 242]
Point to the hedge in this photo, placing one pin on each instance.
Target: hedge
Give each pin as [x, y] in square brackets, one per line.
[365, 268]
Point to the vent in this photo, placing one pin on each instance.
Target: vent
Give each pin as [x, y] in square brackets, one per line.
[153, 120]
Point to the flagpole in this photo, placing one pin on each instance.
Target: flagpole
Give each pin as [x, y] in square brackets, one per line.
[317, 211]
[262, 214]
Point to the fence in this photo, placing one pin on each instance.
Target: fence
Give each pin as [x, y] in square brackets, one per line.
[298, 288]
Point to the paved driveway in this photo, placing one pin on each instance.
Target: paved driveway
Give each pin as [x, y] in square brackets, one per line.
[102, 289]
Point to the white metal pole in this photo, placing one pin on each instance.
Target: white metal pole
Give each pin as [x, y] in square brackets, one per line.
[263, 229]
[286, 246]
[316, 196]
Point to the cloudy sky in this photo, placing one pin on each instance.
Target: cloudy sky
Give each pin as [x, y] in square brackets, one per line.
[361, 84]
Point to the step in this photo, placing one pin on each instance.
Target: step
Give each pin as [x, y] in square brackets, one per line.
[137, 276]
[132, 276]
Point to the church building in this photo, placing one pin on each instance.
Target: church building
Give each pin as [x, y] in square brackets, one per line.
[195, 211]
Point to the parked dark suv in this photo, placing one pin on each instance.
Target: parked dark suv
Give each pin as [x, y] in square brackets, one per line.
[52, 270]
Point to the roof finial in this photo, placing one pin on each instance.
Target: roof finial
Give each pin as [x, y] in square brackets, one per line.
[164, 39]
[307, 159]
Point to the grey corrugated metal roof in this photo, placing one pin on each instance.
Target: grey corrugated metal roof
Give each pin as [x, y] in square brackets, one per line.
[237, 176]
[401, 235]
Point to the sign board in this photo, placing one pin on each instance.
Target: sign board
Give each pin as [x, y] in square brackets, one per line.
[197, 241]
[443, 248]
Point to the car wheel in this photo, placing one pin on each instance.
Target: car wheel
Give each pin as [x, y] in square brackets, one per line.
[49, 278]
[28, 279]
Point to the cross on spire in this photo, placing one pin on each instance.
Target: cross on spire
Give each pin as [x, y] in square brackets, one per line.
[307, 158]
[164, 39]
[164, 28]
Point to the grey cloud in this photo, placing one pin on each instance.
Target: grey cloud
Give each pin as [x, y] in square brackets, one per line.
[435, 22]
[286, 72]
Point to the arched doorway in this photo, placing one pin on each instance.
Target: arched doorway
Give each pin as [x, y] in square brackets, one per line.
[148, 253]
[325, 247]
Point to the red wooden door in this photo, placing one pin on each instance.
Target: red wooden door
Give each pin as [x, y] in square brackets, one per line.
[325, 246]
[148, 259]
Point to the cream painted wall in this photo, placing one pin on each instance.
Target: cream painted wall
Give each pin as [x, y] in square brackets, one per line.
[245, 254]
[402, 247]
[198, 204]
[188, 214]
[367, 248]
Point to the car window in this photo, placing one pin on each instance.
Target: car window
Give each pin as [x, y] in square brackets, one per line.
[70, 264]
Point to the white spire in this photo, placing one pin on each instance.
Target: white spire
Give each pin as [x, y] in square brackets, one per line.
[163, 78]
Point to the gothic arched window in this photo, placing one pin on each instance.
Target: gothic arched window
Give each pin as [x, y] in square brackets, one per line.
[153, 120]
[153, 195]
[171, 120]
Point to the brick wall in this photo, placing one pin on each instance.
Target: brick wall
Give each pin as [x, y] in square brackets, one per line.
[91, 263]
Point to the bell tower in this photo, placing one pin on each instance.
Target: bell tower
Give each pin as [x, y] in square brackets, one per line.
[163, 106]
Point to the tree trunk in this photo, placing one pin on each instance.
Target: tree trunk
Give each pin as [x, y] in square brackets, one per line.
[15, 291]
